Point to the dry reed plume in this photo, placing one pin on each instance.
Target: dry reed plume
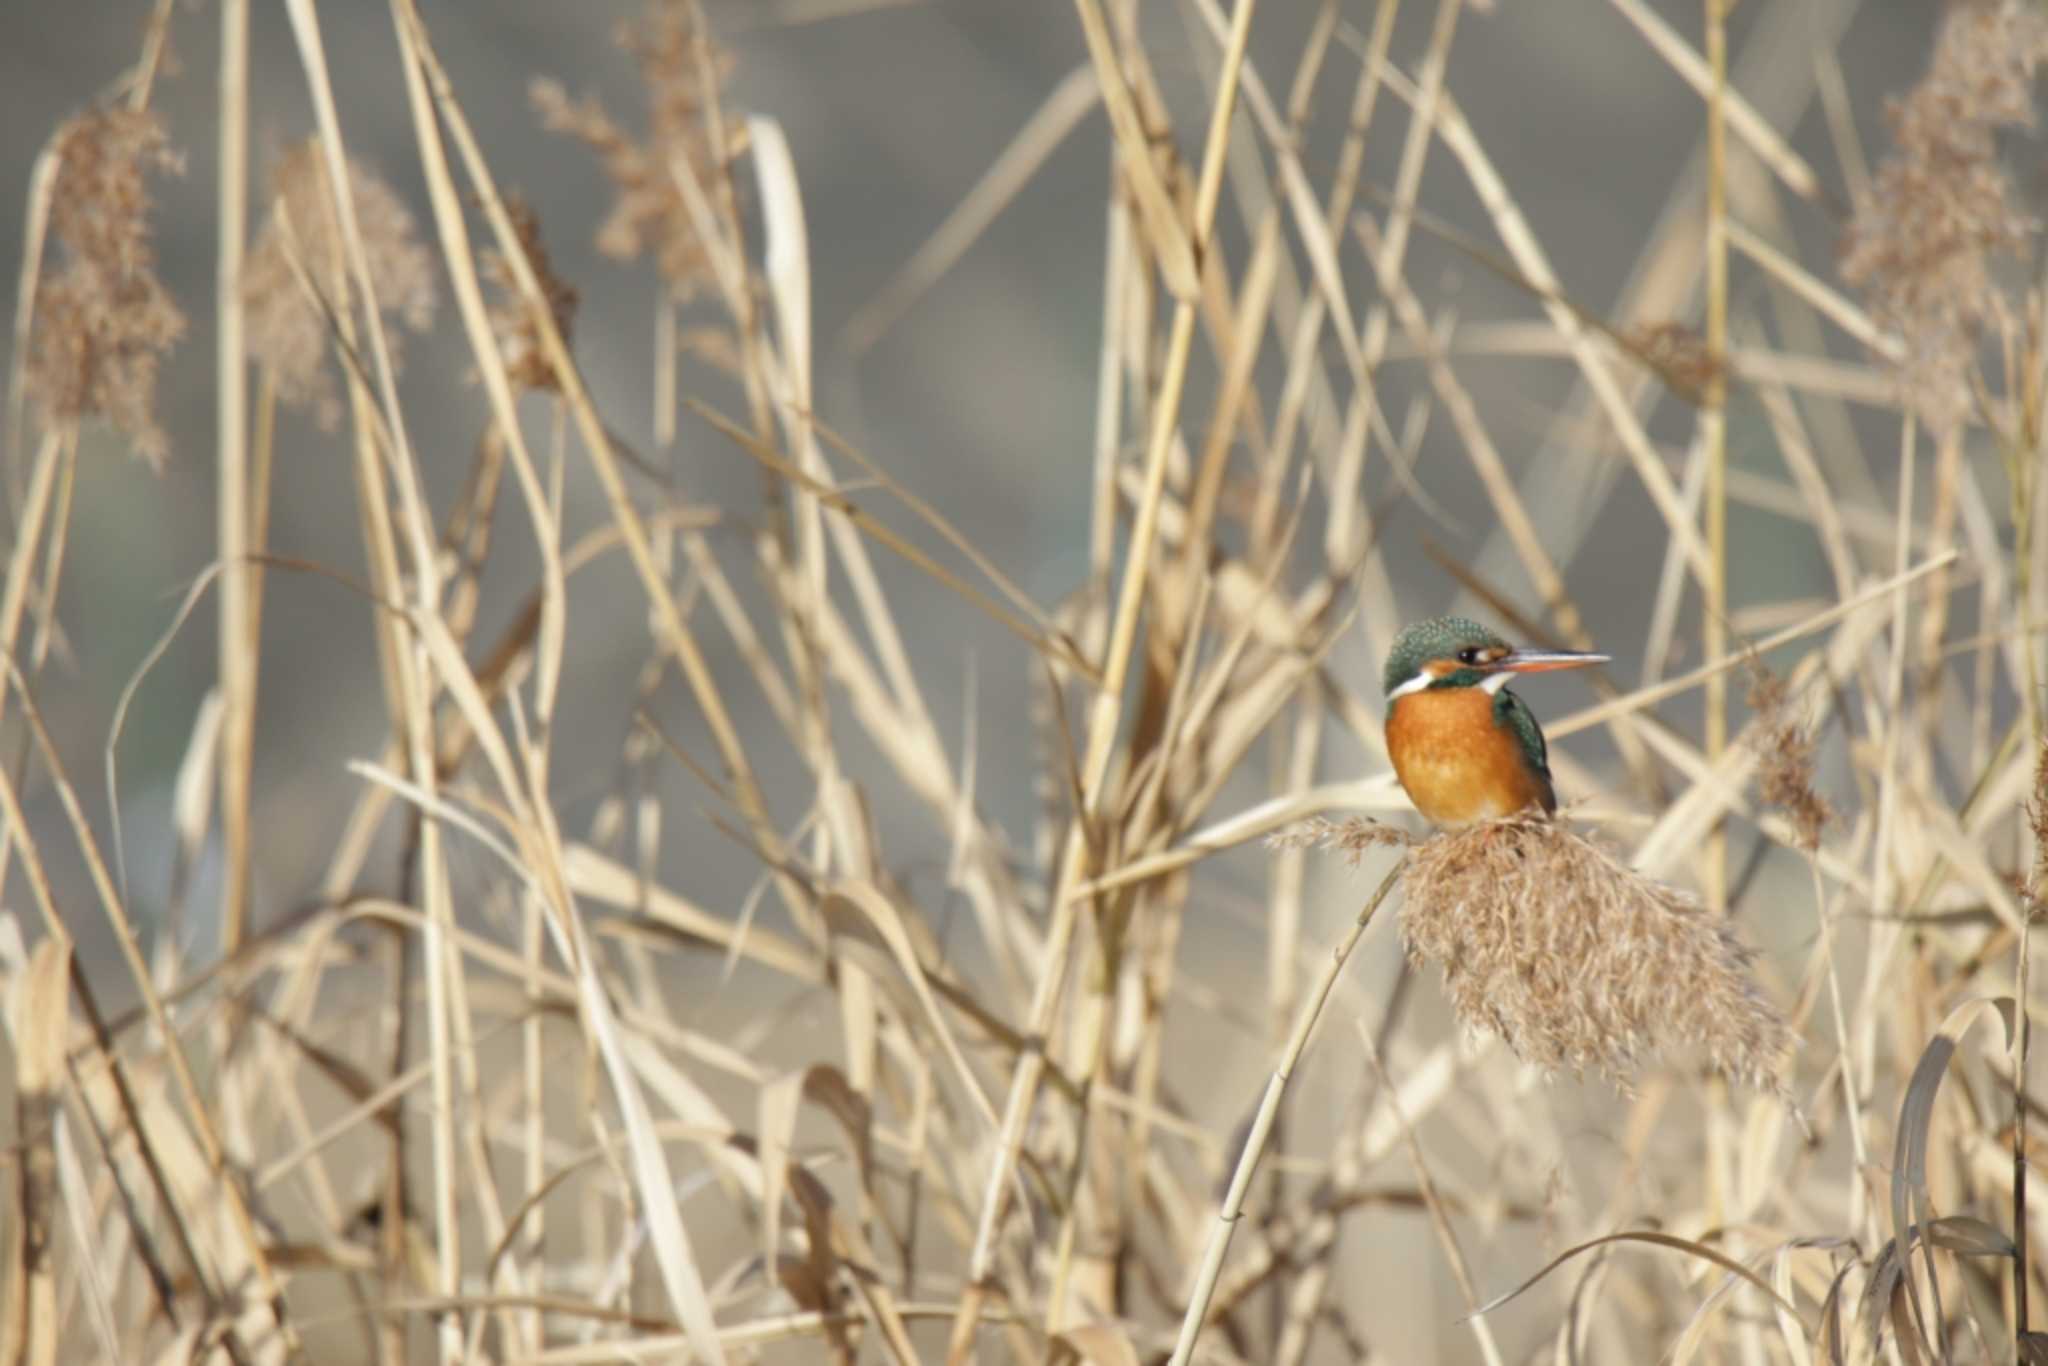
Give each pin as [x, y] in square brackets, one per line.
[103, 319]
[680, 74]
[1926, 239]
[297, 274]
[1785, 750]
[1577, 962]
[512, 317]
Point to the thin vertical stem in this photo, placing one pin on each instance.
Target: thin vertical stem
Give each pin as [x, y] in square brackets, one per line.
[237, 644]
[1714, 423]
[1262, 1123]
[2021, 1238]
[1106, 711]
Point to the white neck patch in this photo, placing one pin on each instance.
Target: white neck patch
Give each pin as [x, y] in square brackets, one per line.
[1415, 684]
[1492, 683]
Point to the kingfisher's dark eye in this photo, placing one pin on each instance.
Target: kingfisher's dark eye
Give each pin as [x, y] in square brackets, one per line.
[1469, 655]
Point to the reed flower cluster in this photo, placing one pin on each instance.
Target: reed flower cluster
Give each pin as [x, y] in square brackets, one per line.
[1942, 209]
[1578, 962]
[681, 74]
[103, 318]
[297, 274]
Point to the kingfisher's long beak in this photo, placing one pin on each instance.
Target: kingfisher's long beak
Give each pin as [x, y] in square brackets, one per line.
[1543, 661]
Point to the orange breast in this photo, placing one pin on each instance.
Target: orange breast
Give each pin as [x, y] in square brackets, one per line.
[1456, 762]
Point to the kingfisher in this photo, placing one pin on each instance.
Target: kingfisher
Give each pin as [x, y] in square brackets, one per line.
[1464, 747]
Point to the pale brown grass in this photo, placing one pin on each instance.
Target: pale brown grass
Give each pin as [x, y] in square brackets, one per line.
[507, 1083]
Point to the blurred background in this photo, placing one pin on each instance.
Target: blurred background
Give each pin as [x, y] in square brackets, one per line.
[980, 394]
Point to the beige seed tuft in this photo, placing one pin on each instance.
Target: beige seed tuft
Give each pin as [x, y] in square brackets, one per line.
[288, 331]
[1578, 962]
[103, 320]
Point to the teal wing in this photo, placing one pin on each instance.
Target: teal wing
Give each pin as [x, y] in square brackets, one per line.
[1512, 714]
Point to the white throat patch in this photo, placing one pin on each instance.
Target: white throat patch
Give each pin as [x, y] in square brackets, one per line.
[1415, 684]
[1492, 683]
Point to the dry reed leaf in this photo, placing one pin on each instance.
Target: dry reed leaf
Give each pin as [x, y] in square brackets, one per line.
[594, 877]
[1007, 175]
[848, 1246]
[828, 1088]
[191, 801]
[42, 1019]
[860, 909]
[786, 257]
[1890, 1290]
[775, 1112]
[813, 1280]
[1097, 1344]
[103, 320]
[41, 1028]
[1647, 1237]
[674, 1253]
[1577, 961]
[777, 1108]
[1909, 1197]
[288, 331]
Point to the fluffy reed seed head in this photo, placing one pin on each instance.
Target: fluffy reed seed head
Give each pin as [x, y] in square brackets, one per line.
[1941, 207]
[103, 320]
[287, 331]
[2035, 885]
[512, 319]
[681, 73]
[1578, 962]
[1785, 746]
[1354, 837]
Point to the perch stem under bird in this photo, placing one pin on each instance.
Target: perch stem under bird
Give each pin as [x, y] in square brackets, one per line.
[1464, 747]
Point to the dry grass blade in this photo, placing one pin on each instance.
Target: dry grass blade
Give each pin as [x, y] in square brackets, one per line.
[1824, 299]
[1756, 131]
[872, 910]
[40, 1025]
[1647, 1237]
[1916, 1121]
[1883, 591]
[1056, 647]
[1165, 233]
[1107, 708]
[649, 1164]
[248, 1241]
[1057, 116]
[661, 928]
[1274, 814]
[239, 641]
[1232, 1208]
[41, 188]
[961, 542]
[1097, 1344]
